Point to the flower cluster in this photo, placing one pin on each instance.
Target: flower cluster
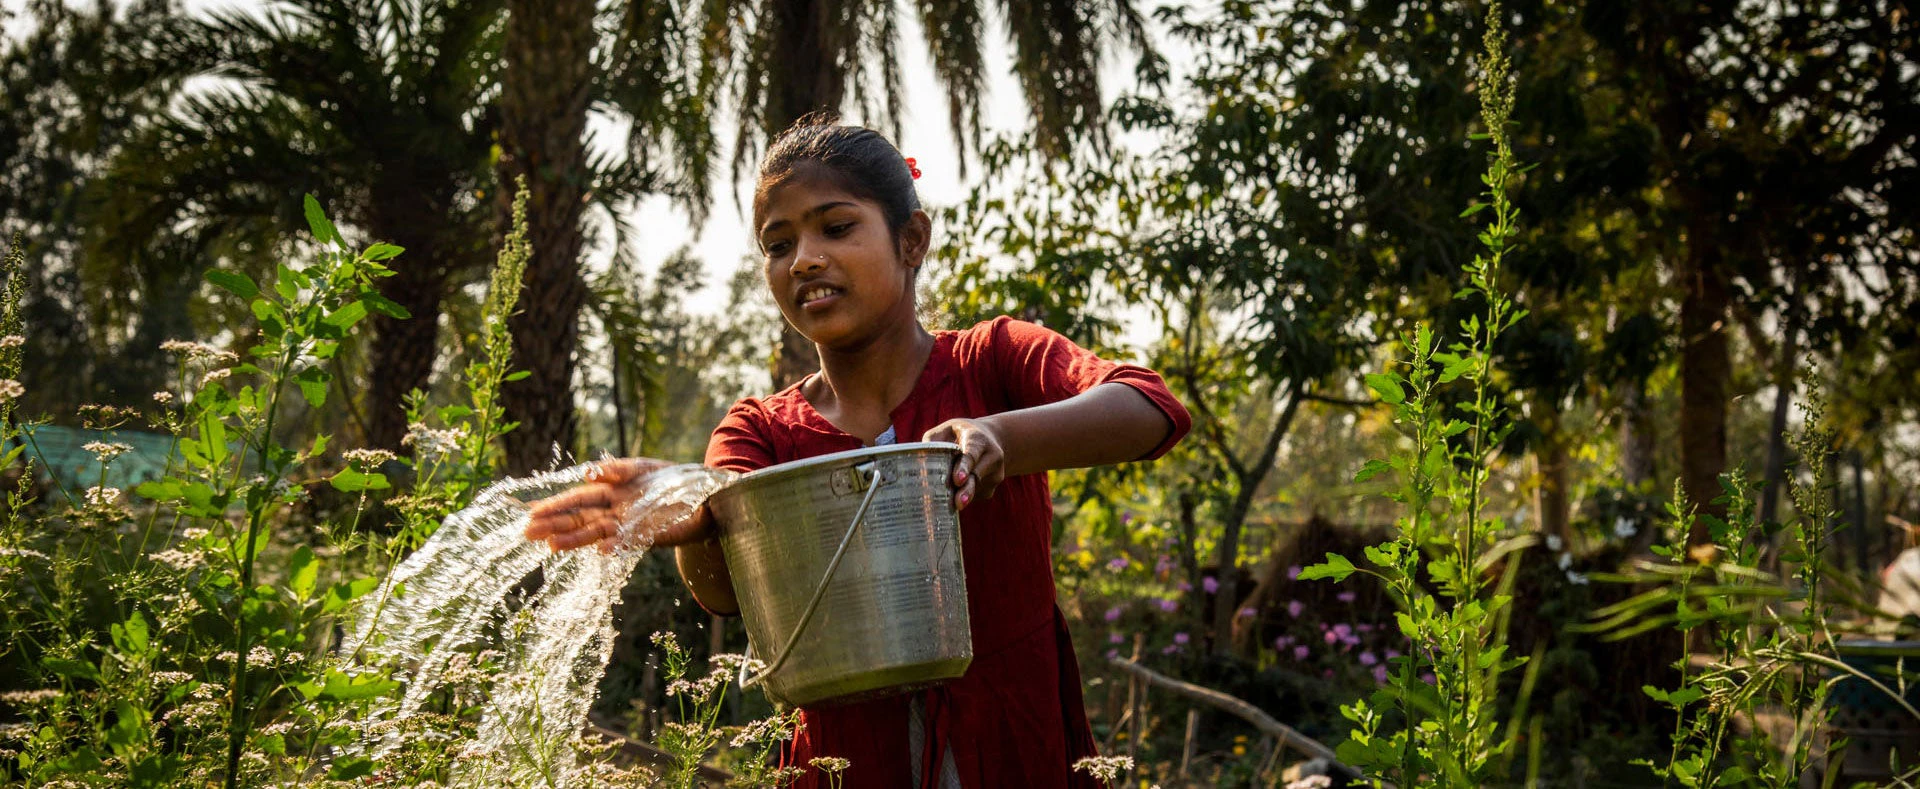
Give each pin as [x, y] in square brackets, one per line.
[11, 390]
[367, 458]
[432, 442]
[199, 352]
[106, 451]
[1104, 768]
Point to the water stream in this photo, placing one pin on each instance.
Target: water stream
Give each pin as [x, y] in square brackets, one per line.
[465, 591]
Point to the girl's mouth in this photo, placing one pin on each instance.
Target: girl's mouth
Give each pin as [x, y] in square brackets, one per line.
[818, 297]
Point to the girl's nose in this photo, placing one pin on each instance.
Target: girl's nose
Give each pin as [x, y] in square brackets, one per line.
[807, 262]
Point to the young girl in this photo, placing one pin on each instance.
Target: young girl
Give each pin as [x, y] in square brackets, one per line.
[836, 216]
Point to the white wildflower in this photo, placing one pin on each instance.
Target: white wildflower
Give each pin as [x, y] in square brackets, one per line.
[14, 731]
[1623, 528]
[171, 678]
[1312, 782]
[10, 389]
[193, 713]
[12, 341]
[100, 496]
[277, 728]
[430, 442]
[772, 729]
[1577, 579]
[1554, 542]
[177, 559]
[163, 398]
[24, 553]
[199, 351]
[29, 698]
[193, 533]
[1104, 768]
[260, 657]
[367, 458]
[106, 451]
[215, 376]
[1565, 561]
[830, 764]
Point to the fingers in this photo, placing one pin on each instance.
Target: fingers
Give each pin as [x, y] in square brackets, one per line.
[589, 528]
[617, 471]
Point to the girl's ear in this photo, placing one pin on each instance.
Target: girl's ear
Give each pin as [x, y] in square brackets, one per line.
[916, 236]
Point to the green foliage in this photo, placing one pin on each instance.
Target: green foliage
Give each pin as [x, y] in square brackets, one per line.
[1448, 729]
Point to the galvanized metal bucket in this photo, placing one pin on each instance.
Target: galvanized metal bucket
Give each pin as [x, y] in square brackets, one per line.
[847, 566]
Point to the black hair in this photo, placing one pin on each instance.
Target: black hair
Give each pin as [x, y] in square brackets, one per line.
[854, 158]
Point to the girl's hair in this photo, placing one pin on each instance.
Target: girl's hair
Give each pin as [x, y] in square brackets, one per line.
[853, 158]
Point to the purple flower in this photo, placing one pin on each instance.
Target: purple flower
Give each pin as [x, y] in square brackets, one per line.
[1330, 637]
[1113, 614]
[1295, 608]
[1183, 586]
[1126, 517]
[1281, 643]
[1168, 605]
[1344, 597]
[1393, 653]
[1169, 649]
[1118, 563]
[1368, 659]
[1209, 585]
[1301, 652]
[1427, 678]
[1343, 629]
[1380, 674]
[1113, 653]
[1366, 628]
[1248, 612]
[1293, 573]
[1116, 638]
[1162, 564]
[1180, 638]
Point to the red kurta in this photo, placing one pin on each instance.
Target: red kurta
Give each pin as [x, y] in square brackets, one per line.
[1016, 718]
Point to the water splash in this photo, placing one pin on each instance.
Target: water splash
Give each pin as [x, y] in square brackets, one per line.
[465, 589]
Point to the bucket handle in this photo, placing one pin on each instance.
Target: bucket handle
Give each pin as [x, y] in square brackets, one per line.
[870, 470]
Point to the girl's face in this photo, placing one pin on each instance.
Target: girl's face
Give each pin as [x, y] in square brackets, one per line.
[839, 274]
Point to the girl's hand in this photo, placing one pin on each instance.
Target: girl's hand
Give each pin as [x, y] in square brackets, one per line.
[591, 513]
[982, 462]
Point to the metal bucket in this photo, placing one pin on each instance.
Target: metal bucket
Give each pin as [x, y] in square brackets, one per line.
[848, 567]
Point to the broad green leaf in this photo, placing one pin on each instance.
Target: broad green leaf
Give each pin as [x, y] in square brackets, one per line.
[305, 571]
[1387, 387]
[1373, 468]
[350, 768]
[385, 306]
[71, 669]
[234, 282]
[323, 230]
[341, 687]
[1335, 567]
[313, 385]
[159, 490]
[382, 252]
[348, 315]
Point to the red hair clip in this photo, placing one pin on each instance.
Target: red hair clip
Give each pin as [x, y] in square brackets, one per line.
[913, 167]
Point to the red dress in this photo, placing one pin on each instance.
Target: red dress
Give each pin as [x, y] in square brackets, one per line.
[1016, 718]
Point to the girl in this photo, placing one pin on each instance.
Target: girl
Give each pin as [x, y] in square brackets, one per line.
[836, 215]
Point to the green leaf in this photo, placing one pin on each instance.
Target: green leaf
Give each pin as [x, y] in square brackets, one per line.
[1373, 468]
[71, 669]
[234, 282]
[339, 595]
[159, 490]
[382, 252]
[385, 306]
[305, 571]
[323, 230]
[129, 727]
[348, 315]
[350, 481]
[350, 768]
[1387, 387]
[313, 385]
[135, 633]
[341, 687]
[517, 375]
[1335, 567]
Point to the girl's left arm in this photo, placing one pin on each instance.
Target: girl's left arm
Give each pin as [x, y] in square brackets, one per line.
[1109, 423]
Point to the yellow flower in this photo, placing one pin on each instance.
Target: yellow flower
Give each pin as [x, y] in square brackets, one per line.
[1239, 750]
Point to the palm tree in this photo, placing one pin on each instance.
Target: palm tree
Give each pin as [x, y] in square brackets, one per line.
[378, 108]
[651, 73]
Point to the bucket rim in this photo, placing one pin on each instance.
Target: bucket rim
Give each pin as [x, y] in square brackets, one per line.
[803, 465]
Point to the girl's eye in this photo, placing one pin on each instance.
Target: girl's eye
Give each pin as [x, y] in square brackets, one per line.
[777, 248]
[839, 229]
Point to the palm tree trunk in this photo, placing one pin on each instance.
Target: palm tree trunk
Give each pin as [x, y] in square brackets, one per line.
[1705, 372]
[543, 108]
[403, 350]
[807, 75]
